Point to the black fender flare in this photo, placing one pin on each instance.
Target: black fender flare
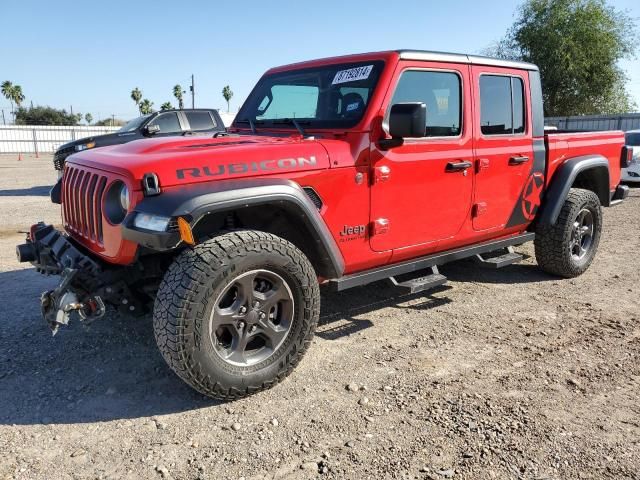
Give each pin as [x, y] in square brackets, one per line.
[199, 200]
[562, 181]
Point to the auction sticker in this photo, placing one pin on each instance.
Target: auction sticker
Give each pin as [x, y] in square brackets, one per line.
[352, 74]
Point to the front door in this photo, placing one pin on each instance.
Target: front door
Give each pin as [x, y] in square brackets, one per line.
[503, 148]
[421, 190]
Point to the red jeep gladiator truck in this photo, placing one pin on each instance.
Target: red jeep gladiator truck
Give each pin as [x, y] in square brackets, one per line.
[341, 171]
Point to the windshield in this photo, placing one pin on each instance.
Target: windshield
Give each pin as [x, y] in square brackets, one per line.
[132, 125]
[332, 96]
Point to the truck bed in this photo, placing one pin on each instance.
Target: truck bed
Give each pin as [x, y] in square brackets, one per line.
[562, 145]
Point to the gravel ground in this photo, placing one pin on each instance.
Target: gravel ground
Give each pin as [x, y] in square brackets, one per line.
[504, 374]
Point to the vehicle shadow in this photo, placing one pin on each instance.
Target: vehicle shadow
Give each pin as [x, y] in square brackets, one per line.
[111, 369]
[519, 273]
[39, 191]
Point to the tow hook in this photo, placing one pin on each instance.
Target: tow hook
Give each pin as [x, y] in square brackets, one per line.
[57, 305]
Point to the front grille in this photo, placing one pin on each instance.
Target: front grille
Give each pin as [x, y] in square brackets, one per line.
[82, 192]
[60, 156]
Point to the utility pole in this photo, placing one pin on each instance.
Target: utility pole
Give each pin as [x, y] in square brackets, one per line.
[113, 119]
[71, 109]
[31, 104]
[193, 93]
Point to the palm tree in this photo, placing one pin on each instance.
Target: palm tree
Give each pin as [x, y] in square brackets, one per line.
[136, 96]
[88, 118]
[7, 92]
[227, 94]
[18, 96]
[146, 106]
[178, 92]
[166, 106]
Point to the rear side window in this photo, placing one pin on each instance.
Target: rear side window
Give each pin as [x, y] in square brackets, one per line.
[440, 92]
[168, 122]
[200, 120]
[502, 110]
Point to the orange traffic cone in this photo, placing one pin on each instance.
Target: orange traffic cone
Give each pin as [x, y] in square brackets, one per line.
[19, 157]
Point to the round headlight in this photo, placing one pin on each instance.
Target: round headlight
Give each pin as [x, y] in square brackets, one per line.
[124, 197]
[116, 202]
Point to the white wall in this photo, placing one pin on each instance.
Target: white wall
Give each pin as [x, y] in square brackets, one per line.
[227, 118]
[43, 139]
[46, 139]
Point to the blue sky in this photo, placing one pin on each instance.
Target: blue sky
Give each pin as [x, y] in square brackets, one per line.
[91, 56]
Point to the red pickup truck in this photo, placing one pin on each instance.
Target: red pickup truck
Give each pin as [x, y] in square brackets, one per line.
[341, 171]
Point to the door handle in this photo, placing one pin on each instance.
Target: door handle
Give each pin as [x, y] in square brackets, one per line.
[518, 160]
[458, 166]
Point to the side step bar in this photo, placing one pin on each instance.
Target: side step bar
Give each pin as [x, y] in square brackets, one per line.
[420, 284]
[387, 271]
[500, 261]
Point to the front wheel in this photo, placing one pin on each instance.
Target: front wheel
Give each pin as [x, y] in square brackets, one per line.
[235, 314]
[568, 247]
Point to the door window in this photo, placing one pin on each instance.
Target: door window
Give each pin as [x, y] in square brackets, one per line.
[501, 105]
[440, 92]
[200, 121]
[168, 122]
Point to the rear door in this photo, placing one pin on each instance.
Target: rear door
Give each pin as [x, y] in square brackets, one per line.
[200, 121]
[503, 147]
[421, 191]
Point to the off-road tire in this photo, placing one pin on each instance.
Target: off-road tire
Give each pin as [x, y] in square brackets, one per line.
[552, 242]
[187, 296]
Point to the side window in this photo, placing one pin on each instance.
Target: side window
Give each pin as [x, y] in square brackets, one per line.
[168, 122]
[501, 105]
[200, 120]
[441, 92]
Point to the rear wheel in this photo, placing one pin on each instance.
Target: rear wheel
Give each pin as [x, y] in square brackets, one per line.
[568, 247]
[235, 314]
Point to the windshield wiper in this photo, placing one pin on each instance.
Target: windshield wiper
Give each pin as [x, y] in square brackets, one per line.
[294, 122]
[252, 125]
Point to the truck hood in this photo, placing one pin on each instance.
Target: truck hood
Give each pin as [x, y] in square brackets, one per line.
[184, 160]
[107, 139]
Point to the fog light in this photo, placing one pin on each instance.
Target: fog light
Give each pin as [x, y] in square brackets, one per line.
[151, 222]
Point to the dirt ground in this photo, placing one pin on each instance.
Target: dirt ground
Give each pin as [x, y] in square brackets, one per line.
[508, 374]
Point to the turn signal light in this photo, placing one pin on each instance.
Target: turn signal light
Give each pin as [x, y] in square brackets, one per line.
[185, 231]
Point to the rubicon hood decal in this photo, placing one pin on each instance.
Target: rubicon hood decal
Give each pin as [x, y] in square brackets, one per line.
[244, 167]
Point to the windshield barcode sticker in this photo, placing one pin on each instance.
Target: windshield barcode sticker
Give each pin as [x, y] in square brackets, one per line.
[352, 74]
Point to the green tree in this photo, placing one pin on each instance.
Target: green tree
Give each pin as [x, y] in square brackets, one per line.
[108, 122]
[146, 106]
[44, 116]
[13, 93]
[88, 118]
[166, 106]
[577, 45]
[227, 93]
[178, 92]
[136, 96]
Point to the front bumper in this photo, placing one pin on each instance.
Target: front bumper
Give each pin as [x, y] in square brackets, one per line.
[52, 253]
[86, 283]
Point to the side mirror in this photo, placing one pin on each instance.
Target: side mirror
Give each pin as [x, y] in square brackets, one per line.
[408, 120]
[152, 129]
